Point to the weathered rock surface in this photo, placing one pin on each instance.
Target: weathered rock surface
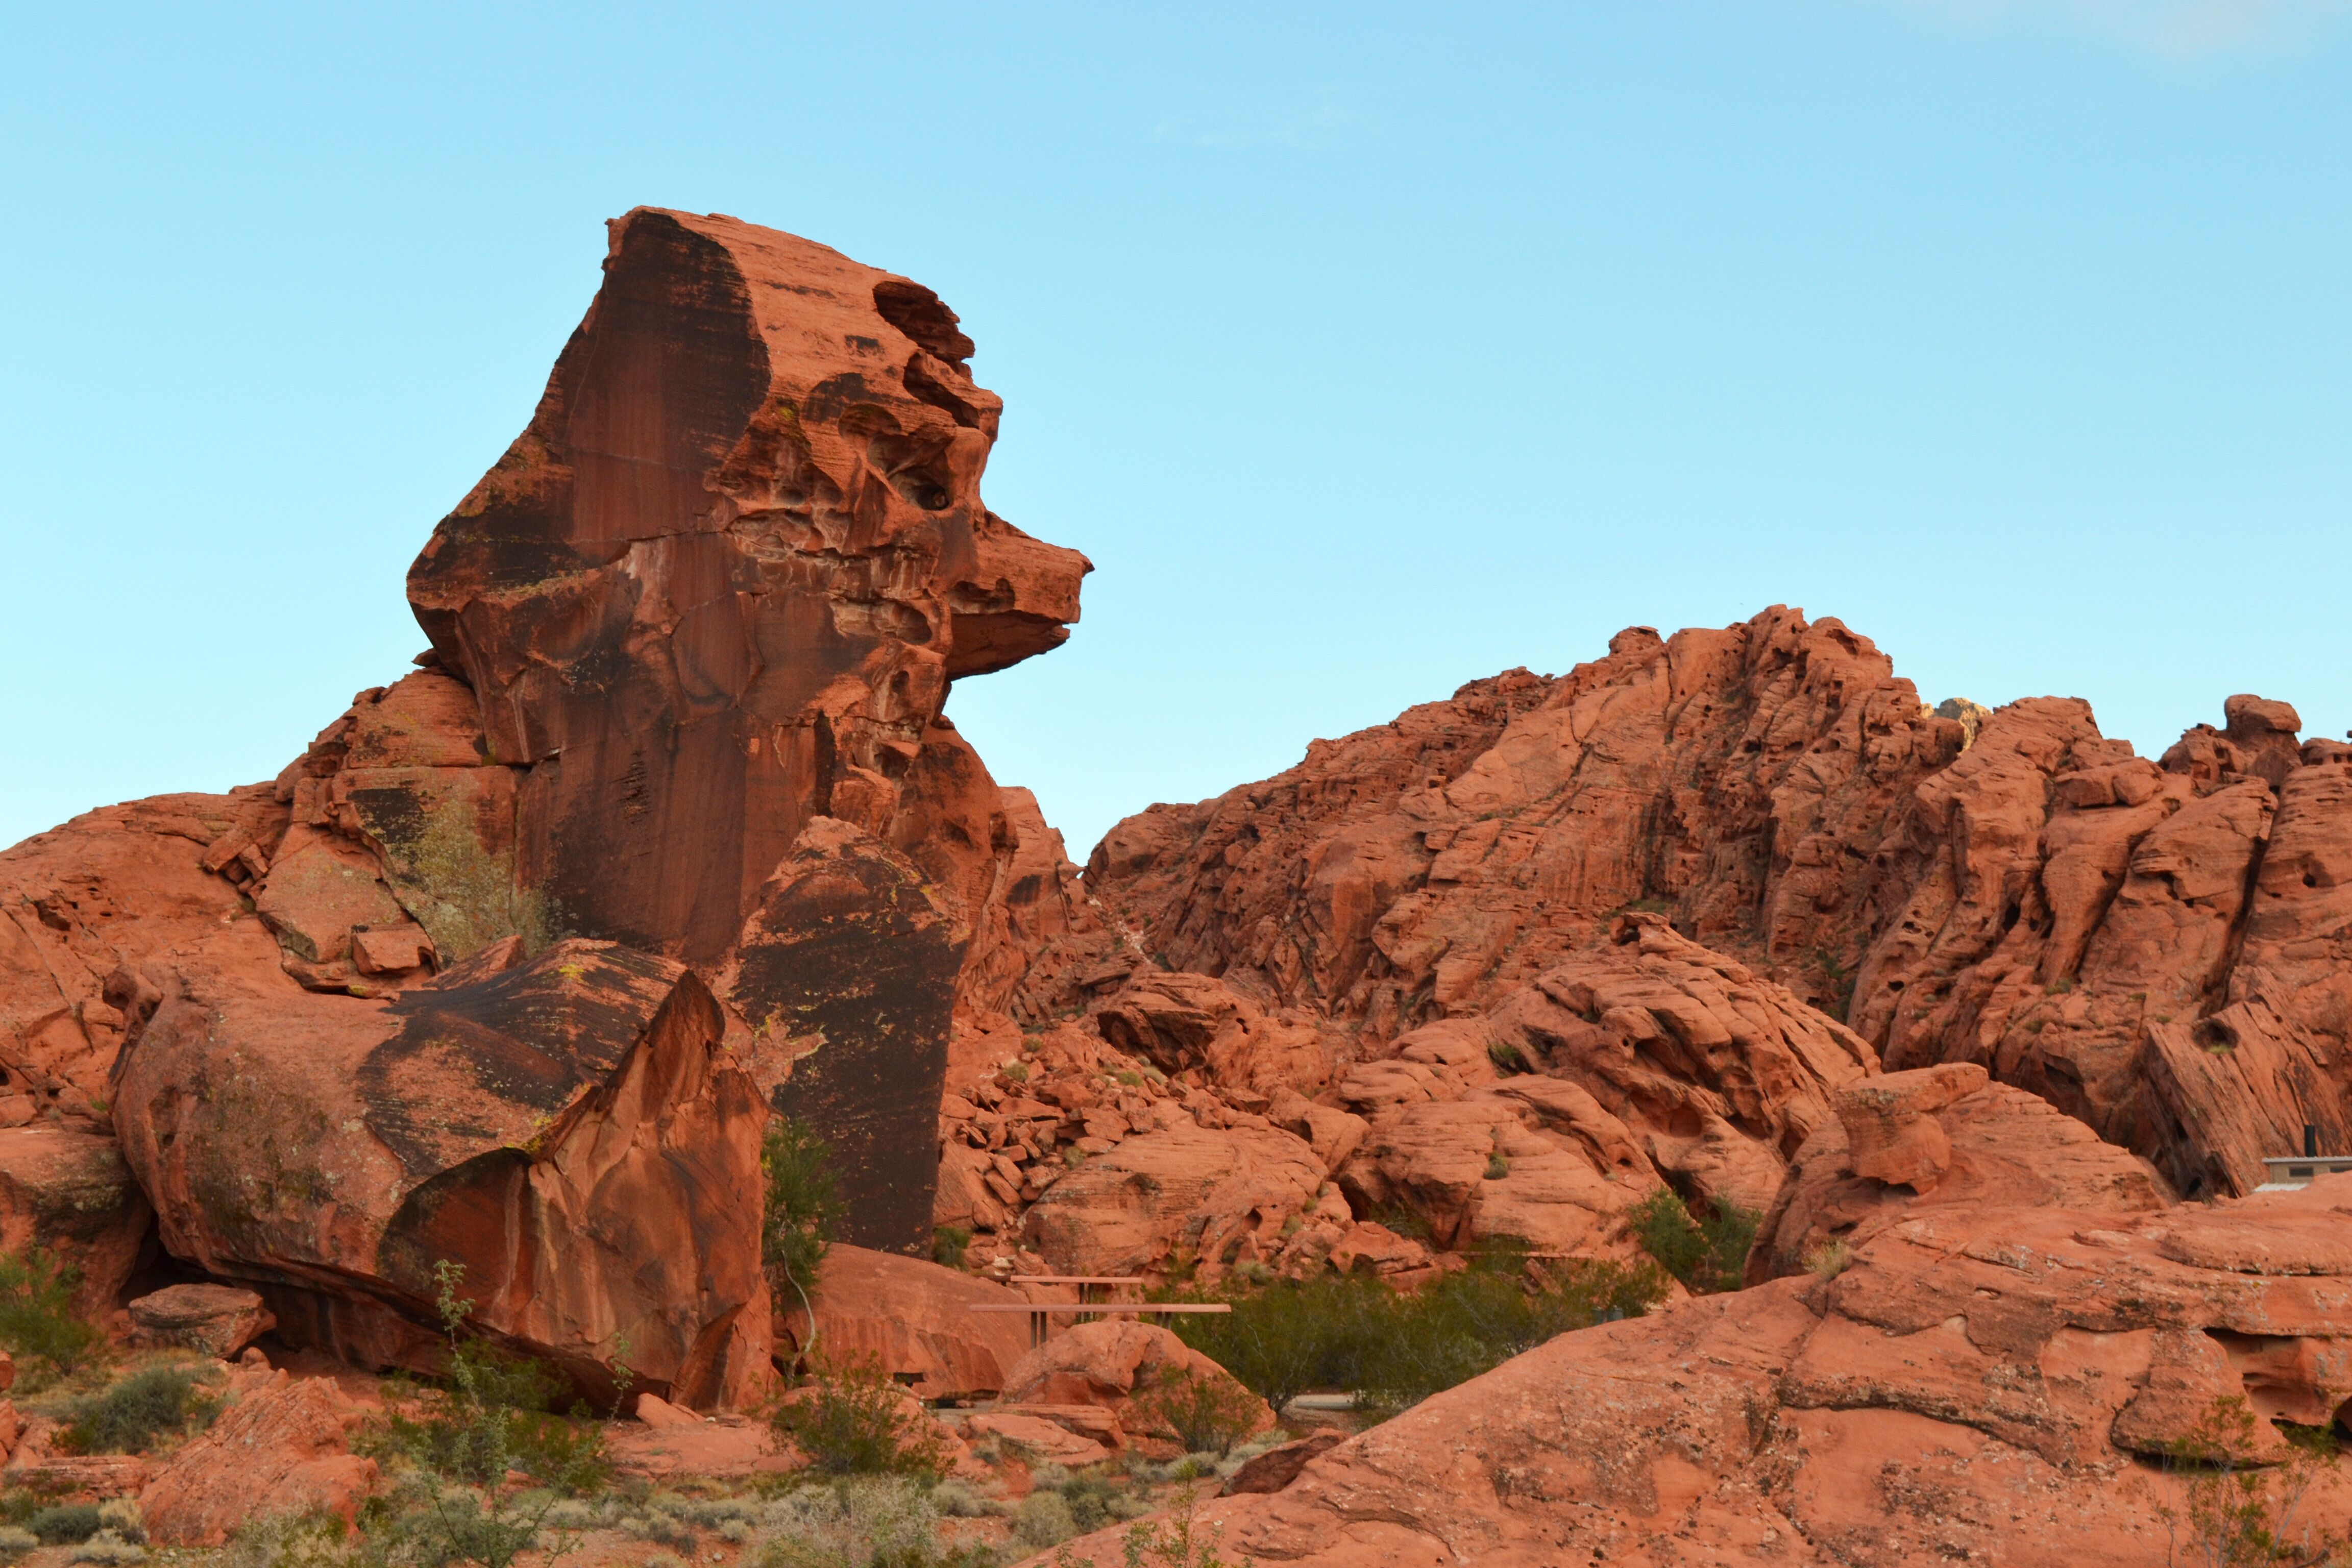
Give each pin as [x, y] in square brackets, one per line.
[218, 1320]
[70, 1191]
[282, 1449]
[566, 1130]
[1976, 1387]
[1222, 1195]
[2158, 949]
[692, 639]
[1965, 1142]
[914, 1318]
[1107, 1365]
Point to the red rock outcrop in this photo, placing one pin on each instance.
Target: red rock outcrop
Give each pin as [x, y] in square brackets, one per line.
[1428, 867]
[1942, 1137]
[1106, 1366]
[282, 1449]
[1978, 1385]
[566, 1130]
[69, 1190]
[914, 1318]
[691, 638]
[2115, 937]
[2157, 949]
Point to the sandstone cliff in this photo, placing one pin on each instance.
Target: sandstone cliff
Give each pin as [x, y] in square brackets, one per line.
[669, 830]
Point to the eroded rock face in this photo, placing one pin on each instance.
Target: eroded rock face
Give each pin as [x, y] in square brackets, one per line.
[69, 1190]
[1973, 1387]
[913, 1317]
[728, 573]
[1431, 866]
[2157, 949]
[1934, 1138]
[691, 637]
[565, 1129]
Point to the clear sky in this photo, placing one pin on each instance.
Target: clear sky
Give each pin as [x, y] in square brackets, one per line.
[1366, 349]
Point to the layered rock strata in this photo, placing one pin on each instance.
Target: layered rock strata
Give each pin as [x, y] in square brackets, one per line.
[1979, 1384]
[2155, 948]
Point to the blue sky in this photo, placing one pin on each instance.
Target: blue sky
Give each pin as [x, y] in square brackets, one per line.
[1366, 349]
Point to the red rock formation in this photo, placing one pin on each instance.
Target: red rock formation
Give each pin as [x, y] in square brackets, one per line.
[69, 1190]
[1974, 1387]
[914, 1318]
[565, 1129]
[1942, 1137]
[1431, 866]
[2159, 951]
[1108, 1365]
[692, 639]
[283, 1448]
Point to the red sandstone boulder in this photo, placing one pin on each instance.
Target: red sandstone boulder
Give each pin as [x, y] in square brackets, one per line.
[282, 1449]
[70, 1191]
[565, 1129]
[914, 1318]
[218, 1320]
[1108, 1363]
[1220, 1196]
[1992, 1146]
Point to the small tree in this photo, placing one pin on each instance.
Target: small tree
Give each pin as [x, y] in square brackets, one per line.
[1207, 1414]
[803, 1203]
[1707, 1255]
[37, 1319]
[851, 1419]
[2239, 1513]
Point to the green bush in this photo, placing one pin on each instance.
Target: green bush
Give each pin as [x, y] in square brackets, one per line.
[803, 1203]
[1206, 1414]
[875, 1522]
[453, 1448]
[948, 1245]
[852, 1420]
[37, 1311]
[1042, 1520]
[1395, 1350]
[131, 1415]
[1707, 1255]
[65, 1523]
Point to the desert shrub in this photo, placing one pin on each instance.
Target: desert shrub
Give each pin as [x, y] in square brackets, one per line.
[1394, 1349]
[131, 1416]
[961, 1499]
[2236, 1513]
[310, 1539]
[1829, 1259]
[38, 1321]
[455, 1446]
[108, 1550]
[1207, 1414]
[1164, 1546]
[868, 1521]
[1042, 1520]
[948, 1245]
[662, 1528]
[803, 1203]
[61, 1524]
[16, 1543]
[121, 1516]
[497, 1412]
[1707, 1255]
[852, 1420]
